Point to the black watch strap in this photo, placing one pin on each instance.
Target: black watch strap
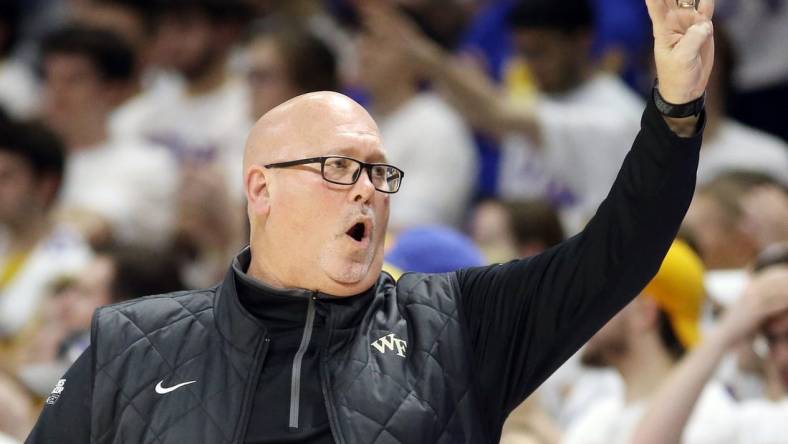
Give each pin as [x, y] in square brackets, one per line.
[672, 110]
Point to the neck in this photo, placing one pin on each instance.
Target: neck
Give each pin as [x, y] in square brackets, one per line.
[87, 136]
[643, 369]
[208, 81]
[387, 100]
[25, 236]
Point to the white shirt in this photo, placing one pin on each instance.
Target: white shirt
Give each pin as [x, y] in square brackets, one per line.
[130, 184]
[61, 253]
[18, 89]
[5, 439]
[611, 421]
[204, 130]
[763, 422]
[430, 142]
[738, 147]
[758, 30]
[586, 134]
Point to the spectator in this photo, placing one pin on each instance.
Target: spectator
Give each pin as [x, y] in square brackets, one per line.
[34, 250]
[207, 119]
[134, 20]
[423, 136]
[565, 147]
[716, 221]
[287, 60]
[432, 249]
[113, 188]
[763, 308]
[17, 84]
[759, 31]
[507, 230]
[727, 144]
[204, 124]
[116, 274]
[643, 343]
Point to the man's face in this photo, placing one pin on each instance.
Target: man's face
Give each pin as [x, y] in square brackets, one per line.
[74, 93]
[555, 58]
[776, 331]
[18, 194]
[609, 342]
[92, 290]
[269, 81]
[326, 236]
[721, 243]
[186, 43]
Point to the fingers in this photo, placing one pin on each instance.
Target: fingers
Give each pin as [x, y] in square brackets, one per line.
[695, 38]
[657, 10]
[706, 8]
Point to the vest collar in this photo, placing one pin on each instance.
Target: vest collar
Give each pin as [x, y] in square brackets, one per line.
[245, 331]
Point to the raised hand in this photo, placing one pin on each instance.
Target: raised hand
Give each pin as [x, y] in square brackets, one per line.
[683, 47]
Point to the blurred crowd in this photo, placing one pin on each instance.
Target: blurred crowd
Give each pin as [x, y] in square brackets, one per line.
[123, 125]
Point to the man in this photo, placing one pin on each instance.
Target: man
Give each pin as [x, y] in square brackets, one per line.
[643, 342]
[202, 121]
[35, 251]
[724, 137]
[113, 188]
[718, 223]
[763, 308]
[424, 136]
[564, 145]
[287, 60]
[307, 341]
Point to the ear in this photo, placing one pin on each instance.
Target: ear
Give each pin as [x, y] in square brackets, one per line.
[257, 191]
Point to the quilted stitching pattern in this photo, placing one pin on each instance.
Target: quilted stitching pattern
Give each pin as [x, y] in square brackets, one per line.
[192, 314]
[379, 399]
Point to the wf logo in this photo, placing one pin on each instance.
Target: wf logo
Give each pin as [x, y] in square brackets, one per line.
[390, 342]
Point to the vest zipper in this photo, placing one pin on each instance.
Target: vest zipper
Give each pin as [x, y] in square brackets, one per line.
[295, 377]
[248, 399]
[327, 395]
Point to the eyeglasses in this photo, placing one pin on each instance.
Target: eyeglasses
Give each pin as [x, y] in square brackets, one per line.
[346, 171]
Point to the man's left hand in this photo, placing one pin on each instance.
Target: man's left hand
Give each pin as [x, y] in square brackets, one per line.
[683, 48]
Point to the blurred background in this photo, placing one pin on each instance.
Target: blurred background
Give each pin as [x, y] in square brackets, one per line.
[123, 123]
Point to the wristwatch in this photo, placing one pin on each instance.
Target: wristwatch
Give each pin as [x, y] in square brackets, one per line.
[668, 109]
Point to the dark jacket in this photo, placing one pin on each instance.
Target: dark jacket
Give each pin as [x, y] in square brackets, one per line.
[428, 359]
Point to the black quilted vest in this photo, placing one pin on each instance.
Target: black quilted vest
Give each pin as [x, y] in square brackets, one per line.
[373, 394]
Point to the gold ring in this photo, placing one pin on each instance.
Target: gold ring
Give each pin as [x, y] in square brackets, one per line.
[686, 4]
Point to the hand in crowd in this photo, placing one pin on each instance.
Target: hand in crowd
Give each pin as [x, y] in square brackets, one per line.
[765, 296]
[384, 22]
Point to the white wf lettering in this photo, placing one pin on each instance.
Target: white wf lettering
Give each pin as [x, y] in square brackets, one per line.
[391, 342]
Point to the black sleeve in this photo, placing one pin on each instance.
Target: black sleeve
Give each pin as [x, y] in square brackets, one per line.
[65, 418]
[527, 317]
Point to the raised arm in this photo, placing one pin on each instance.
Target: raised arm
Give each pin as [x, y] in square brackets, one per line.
[672, 405]
[468, 89]
[526, 317]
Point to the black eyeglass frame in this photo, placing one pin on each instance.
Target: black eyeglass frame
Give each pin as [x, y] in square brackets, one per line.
[322, 161]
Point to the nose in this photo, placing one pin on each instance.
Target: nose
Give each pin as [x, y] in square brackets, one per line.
[363, 189]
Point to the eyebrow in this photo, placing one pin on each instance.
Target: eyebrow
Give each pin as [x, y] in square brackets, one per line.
[350, 151]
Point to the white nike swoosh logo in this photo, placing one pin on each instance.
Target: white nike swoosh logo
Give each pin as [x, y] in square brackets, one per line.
[164, 390]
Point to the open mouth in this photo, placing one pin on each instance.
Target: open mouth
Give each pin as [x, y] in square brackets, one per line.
[358, 231]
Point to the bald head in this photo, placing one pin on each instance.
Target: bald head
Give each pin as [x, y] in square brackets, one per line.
[306, 231]
[300, 126]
